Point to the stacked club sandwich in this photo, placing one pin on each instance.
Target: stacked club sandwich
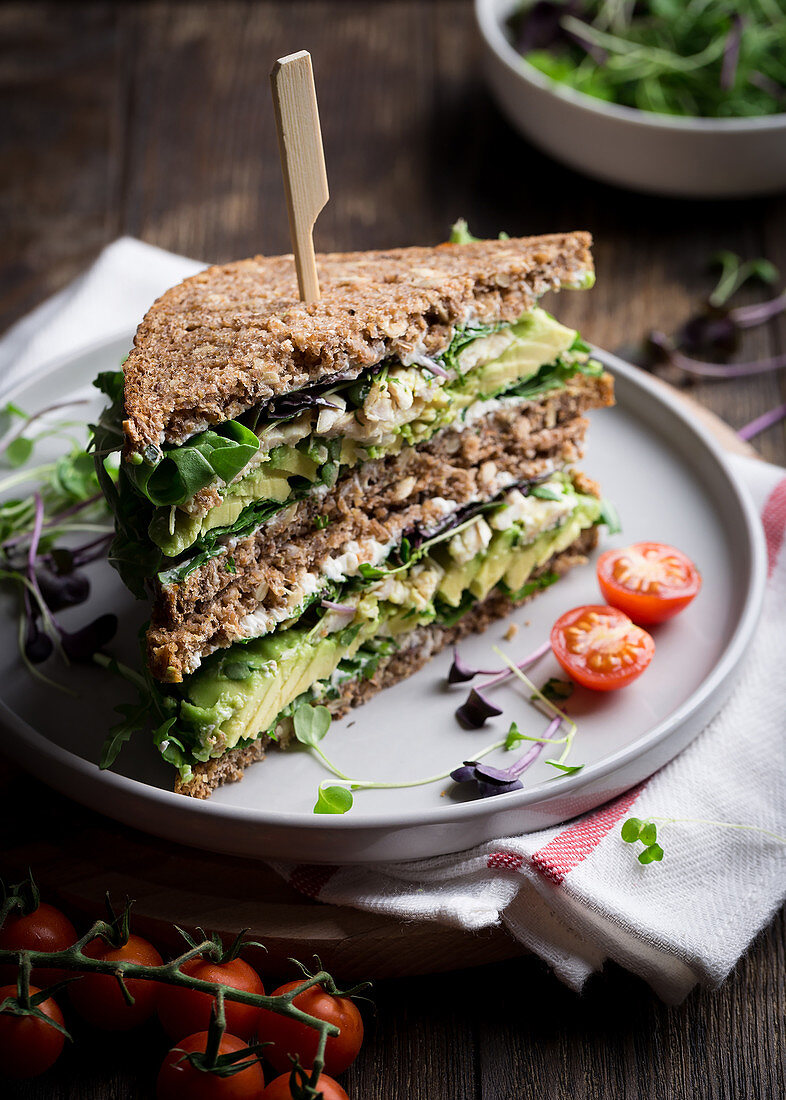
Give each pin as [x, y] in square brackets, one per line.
[320, 497]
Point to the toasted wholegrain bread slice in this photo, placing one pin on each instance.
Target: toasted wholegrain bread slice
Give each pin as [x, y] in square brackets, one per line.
[236, 334]
[426, 642]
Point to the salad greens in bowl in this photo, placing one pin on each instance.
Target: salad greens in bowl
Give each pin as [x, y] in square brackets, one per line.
[684, 99]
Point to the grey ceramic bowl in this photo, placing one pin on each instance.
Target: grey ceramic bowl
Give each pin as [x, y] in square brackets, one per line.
[662, 154]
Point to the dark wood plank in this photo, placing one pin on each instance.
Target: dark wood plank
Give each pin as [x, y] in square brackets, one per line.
[60, 130]
[153, 119]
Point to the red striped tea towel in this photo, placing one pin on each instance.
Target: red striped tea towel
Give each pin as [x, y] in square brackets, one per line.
[576, 895]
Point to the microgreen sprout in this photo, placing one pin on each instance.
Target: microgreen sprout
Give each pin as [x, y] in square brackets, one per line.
[709, 59]
[635, 829]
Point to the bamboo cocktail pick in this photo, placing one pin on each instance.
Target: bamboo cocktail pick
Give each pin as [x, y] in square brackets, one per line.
[302, 160]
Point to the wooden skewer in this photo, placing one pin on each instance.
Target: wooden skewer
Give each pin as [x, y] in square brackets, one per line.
[302, 161]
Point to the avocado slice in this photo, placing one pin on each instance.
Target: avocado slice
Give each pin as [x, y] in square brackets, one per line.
[539, 339]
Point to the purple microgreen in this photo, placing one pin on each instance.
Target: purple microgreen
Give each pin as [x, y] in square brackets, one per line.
[735, 273]
[490, 780]
[344, 608]
[38, 645]
[62, 590]
[713, 331]
[731, 53]
[712, 370]
[82, 645]
[761, 423]
[429, 364]
[476, 710]
[768, 85]
[459, 672]
[757, 314]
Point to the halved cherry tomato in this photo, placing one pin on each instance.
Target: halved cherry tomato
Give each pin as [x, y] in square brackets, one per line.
[44, 929]
[649, 581]
[600, 648]
[279, 1088]
[183, 1011]
[98, 997]
[29, 1046]
[179, 1080]
[291, 1037]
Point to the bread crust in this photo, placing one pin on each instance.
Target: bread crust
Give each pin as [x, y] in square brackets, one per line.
[237, 334]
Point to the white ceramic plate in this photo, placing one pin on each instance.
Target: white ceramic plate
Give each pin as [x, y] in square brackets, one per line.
[670, 484]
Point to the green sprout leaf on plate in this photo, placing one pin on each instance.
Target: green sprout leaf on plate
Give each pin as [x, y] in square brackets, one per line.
[311, 724]
[333, 800]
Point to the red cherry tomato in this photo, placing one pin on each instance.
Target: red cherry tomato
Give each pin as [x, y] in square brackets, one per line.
[290, 1037]
[179, 1080]
[29, 1046]
[98, 997]
[184, 1011]
[600, 648]
[648, 581]
[45, 929]
[279, 1089]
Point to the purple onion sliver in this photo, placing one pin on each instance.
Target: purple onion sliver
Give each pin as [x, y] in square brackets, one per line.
[761, 423]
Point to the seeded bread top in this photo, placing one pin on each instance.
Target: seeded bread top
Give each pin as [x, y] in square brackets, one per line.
[236, 334]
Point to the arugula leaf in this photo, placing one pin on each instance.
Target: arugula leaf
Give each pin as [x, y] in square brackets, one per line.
[333, 800]
[184, 470]
[610, 516]
[311, 724]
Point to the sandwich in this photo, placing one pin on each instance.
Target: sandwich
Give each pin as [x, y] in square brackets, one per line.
[318, 498]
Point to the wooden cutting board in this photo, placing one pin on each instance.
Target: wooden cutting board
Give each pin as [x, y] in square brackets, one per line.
[78, 855]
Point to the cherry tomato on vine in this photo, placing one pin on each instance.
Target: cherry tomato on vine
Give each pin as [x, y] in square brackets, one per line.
[98, 997]
[179, 1080]
[291, 1037]
[45, 929]
[279, 1089]
[649, 581]
[184, 1011]
[600, 648]
[29, 1046]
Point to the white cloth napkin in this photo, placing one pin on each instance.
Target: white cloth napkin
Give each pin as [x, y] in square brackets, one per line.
[576, 894]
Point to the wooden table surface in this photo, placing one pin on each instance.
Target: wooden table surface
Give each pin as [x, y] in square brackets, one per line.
[154, 120]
